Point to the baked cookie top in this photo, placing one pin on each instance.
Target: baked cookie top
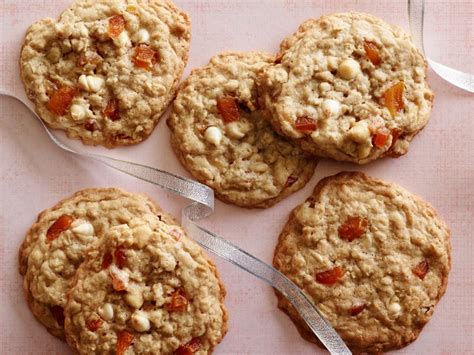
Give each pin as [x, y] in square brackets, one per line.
[105, 71]
[371, 256]
[146, 290]
[219, 135]
[348, 86]
[54, 246]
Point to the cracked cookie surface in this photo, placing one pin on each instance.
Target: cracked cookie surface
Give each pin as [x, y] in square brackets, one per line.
[106, 71]
[146, 290]
[371, 256]
[218, 134]
[54, 246]
[348, 86]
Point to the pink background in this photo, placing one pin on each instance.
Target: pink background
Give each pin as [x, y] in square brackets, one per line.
[35, 174]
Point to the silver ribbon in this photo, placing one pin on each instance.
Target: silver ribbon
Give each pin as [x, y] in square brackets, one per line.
[201, 207]
[416, 15]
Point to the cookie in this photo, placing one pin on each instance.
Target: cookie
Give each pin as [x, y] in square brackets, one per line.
[105, 71]
[146, 290]
[218, 134]
[348, 86]
[54, 246]
[371, 256]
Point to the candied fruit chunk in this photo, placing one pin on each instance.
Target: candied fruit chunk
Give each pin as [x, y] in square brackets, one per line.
[356, 309]
[381, 137]
[59, 226]
[421, 269]
[61, 100]
[353, 228]
[305, 124]
[189, 348]
[330, 277]
[120, 257]
[229, 109]
[178, 303]
[111, 110]
[394, 98]
[372, 52]
[116, 26]
[145, 57]
[124, 340]
[94, 324]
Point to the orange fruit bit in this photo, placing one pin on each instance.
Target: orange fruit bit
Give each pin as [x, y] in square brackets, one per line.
[120, 257]
[291, 180]
[178, 303]
[305, 124]
[380, 138]
[124, 340]
[107, 260]
[421, 269]
[111, 110]
[372, 52]
[229, 109]
[116, 26]
[61, 100]
[58, 314]
[353, 228]
[189, 348]
[330, 277]
[394, 98]
[59, 226]
[356, 309]
[144, 57]
[94, 324]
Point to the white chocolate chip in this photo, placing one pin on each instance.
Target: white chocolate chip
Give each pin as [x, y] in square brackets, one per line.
[91, 83]
[238, 129]
[331, 108]
[142, 36]
[123, 40]
[134, 298]
[394, 308]
[140, 321]
[84, 229]
[348, 69]
[78, 112]
[360, 132]
[106, 312]
[324, 86]
[213, 135]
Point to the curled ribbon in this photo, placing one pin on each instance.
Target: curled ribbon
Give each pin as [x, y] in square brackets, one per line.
[201, 207]
[203, 204]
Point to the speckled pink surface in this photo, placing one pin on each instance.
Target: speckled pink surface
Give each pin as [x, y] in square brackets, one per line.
[35, 174]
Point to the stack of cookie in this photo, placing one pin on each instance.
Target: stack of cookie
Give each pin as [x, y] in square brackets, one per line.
[346, 86]
[112, 273]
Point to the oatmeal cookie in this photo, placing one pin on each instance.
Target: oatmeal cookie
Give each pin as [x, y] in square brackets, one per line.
[54, 246]
[348, 86]
[105, 71]
[146, 290]
[371, 256]
[218, 134]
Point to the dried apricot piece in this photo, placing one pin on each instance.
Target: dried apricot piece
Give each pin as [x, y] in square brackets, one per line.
[380, 138]
[58, 314]
[94, 324]
[111, 110]
[59, 226]
[61, 100]
[116, 26]
[229, 109]
[330, 277]
[144, 57]
[189, 348]
[305, 124]
[394, 98]
[178, 303]
[421, 269]
[124, 340]
[120, 257]
[353, 228]
[107, 260]
[356, 309]
[372, 52]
